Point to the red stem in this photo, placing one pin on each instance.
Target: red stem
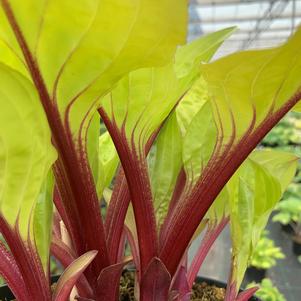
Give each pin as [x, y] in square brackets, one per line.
[186, 220]
[66, 256]
[116, 214]
[11, 273]
[78, 195]
[28, 263]
[210, 237]
[135, 169]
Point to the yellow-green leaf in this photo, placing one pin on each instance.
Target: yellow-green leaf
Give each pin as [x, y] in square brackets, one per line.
[26, 155]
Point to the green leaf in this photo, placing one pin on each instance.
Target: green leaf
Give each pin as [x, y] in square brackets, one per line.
[254, 191]
[42, 223]
[83, 47]
[248, 87]
[107, 162]
[167, 164]
[281, 164]
[199, 142]
[220, 207]
[135, 101]
[26, 155]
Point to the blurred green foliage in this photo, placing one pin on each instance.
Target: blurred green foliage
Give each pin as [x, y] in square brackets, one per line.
[265, 254]
[267, 291]
[286, 136]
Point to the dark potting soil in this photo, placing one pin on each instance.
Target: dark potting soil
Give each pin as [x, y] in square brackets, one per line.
[201, 291]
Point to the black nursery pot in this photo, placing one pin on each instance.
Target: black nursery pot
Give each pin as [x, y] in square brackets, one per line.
[287, 229]
[7, 295]
[220, 284]
[255, 274]
[296, 248]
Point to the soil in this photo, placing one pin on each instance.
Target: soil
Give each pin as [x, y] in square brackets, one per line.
[201, 291]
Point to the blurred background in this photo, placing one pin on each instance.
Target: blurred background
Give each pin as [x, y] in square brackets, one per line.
[261, 24]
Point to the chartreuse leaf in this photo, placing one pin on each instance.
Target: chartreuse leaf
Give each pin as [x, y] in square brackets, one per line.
[238, 86]
[26, 155]
[42, 223]
[167, 164]
[134, 103]
[191, 103]
[139, 113]
[282, 165]
[199, 142]
[107, 162]
[254, 191]
[83, 47]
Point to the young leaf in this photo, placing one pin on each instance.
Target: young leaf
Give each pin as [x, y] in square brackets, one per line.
[107, 162]
[282, 165]
[109, 290]
[155, 282]
[70, 276]
[254, 191]
[42, 223]
[253, 195]
[167, 164]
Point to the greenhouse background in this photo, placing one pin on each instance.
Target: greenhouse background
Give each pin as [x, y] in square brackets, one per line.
[261, 24]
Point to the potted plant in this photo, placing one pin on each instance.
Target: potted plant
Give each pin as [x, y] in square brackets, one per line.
[289, 213]
[264, 256]
[179, 141]
[267, 291]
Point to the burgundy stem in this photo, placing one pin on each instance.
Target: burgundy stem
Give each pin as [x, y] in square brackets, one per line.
[135, 169]
[116, 214]
[134, 250]
[79, 197]
[247, 294]
[177, 193]
[118, 207]
[66, 256]
[210, 237]
[11, 273]
[186, 220]
[28, 262]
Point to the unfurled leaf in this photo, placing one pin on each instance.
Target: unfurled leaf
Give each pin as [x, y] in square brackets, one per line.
[81, 50]
[282, 165]
[70, 276]
[239, 89]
